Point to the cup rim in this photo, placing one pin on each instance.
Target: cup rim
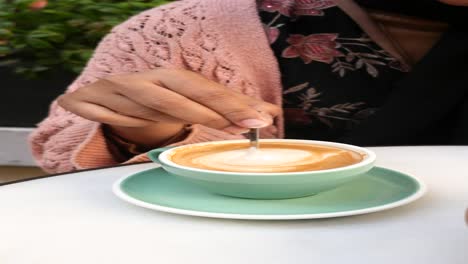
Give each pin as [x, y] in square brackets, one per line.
[369, 158]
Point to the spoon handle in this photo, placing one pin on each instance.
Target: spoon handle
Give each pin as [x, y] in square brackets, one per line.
[253, 136]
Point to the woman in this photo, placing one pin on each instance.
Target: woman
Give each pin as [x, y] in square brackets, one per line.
[195, 71]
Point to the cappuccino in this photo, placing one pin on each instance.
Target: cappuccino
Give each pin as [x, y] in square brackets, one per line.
[271, 157]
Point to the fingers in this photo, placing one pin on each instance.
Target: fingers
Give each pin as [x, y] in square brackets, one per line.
[214, 96]
[168, 96]
[171, 103]
[124, 106]
[261, 106]
[100, 114]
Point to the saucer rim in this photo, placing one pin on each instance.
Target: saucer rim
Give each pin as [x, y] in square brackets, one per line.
[117, 190]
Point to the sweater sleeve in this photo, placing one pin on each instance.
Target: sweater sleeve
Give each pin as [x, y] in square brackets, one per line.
[64, 141]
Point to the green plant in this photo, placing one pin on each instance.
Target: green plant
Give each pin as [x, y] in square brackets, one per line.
[40, 36]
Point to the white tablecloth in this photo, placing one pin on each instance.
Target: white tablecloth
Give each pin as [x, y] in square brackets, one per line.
[75, 218]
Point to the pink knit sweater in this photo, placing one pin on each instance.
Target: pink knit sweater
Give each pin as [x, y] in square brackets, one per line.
[221, 39]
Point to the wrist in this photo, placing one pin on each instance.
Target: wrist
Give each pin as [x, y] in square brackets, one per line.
[131, 141]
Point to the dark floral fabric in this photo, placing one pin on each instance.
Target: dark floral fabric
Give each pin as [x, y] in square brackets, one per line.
[334, 76]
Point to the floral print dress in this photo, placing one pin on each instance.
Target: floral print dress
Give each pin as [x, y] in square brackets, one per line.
[334, 76]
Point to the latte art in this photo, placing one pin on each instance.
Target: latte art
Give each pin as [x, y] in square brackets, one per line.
[232, 159]
[270, 157]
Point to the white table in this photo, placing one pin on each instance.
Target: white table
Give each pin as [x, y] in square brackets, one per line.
[75, 218]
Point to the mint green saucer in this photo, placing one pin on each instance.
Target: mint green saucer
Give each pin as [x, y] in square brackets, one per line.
[377, 190]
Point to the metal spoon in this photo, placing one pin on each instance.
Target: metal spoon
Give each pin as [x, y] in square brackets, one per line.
[253, 136]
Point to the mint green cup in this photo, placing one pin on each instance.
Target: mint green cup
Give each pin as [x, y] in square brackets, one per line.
[267, 185]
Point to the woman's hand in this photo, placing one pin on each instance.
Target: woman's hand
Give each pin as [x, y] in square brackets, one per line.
[161, 101]
[466, 216]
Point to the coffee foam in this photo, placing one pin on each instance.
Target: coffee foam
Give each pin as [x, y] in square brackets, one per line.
[253, 157]
[270, 157]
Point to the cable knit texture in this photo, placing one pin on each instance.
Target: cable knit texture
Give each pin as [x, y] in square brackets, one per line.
[215, 38]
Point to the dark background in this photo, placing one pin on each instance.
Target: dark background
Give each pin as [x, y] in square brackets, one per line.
[25, 102]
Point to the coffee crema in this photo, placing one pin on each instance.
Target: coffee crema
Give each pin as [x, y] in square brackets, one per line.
[270, 157]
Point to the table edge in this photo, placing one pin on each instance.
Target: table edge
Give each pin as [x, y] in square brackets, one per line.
[131, 164]
[71, 172]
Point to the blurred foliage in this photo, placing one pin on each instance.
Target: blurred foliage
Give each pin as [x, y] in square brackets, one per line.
[40, 36]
